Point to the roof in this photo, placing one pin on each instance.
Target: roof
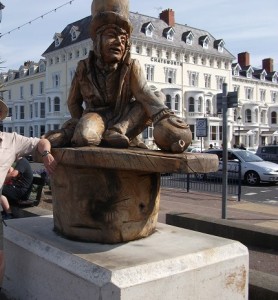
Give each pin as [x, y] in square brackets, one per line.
[139, 21]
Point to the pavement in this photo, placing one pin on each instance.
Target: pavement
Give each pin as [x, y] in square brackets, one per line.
[253, 224]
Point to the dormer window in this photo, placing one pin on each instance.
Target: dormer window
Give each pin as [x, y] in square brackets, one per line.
[249, 73]
[148, 29]
[274, 78]
[169, 33]
[219, 45]
[22, 71]
[263, 74]
[236, 68]
[41, 66]
[74, 32]
[204, 41]
[10, 76]
[57, 39]
[188, 37]
[33, 69]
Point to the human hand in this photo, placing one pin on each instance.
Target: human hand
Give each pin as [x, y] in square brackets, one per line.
[50, 163]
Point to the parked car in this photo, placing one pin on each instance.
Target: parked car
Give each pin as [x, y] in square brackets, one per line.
[268, 152]
[193, 149]
[253, 168]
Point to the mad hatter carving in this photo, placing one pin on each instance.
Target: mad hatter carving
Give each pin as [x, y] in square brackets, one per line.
[110, 101]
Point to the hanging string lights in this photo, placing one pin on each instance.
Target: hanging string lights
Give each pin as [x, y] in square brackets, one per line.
[31, 21]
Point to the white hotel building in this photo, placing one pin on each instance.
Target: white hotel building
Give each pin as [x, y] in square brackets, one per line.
[187, 64]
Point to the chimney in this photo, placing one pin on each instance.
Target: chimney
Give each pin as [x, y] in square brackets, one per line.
[243, 59]
[168, 16]
[268, 65]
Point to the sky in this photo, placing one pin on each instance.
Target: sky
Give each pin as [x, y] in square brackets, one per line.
[244, 25]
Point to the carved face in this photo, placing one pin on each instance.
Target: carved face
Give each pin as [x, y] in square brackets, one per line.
[113, 45]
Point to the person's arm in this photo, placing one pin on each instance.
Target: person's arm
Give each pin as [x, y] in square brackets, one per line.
[49, 161]
[75, 98]
[12, 174]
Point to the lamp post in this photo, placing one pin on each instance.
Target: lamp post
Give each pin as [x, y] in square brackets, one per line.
[238, 121]
[2, 6]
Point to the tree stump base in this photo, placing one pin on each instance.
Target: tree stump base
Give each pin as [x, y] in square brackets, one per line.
[111, 196]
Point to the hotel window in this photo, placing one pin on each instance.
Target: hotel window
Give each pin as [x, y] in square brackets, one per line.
[49, 104]
[21, 130]
[148, 133]
[42, 110]
[21, 92]
[16, 112]
[192, 129]
[274, 97]
[248, 93]
[262, 95]
[9, 94]
[10, 112]
[31, 111]
[170, 35]
[168, 101]
[170, 75]
[31, 131]
[236, 88]
[273, 117]
[137, 49]
[199, 104]
[31, 89]
[148, 51]
[191, 107]
[56, 80]
[249, 74]
[248, 116]
[21, 114]
[42, 129]
[149, 31]
[219, 81]
[193, 79]
[189, 39]
[149, 72]
[207, 80]
[177, 102]
[56, 104]
[41, 87]
[36, 108]
[208, 105]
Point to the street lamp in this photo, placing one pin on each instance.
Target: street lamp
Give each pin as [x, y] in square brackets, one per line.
[2, 6]
[238, 121]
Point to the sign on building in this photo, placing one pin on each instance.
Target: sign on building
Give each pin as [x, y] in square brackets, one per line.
[202, 127]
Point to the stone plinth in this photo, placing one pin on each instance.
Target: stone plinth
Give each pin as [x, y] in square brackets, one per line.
[112, 195]
[171, 264]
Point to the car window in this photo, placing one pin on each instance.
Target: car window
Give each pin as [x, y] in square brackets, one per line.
[231, 156]
[248, 156]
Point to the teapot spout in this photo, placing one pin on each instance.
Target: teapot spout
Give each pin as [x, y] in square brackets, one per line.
[178, 147]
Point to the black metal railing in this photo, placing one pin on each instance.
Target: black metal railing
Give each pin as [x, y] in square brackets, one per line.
[207, 182]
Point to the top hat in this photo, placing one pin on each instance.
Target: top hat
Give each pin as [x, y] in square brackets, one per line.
[105, 12]
[3, 110]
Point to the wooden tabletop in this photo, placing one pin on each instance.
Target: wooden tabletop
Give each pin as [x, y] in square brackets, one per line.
[137, 159]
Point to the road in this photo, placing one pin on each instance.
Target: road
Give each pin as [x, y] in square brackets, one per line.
[264, 193]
